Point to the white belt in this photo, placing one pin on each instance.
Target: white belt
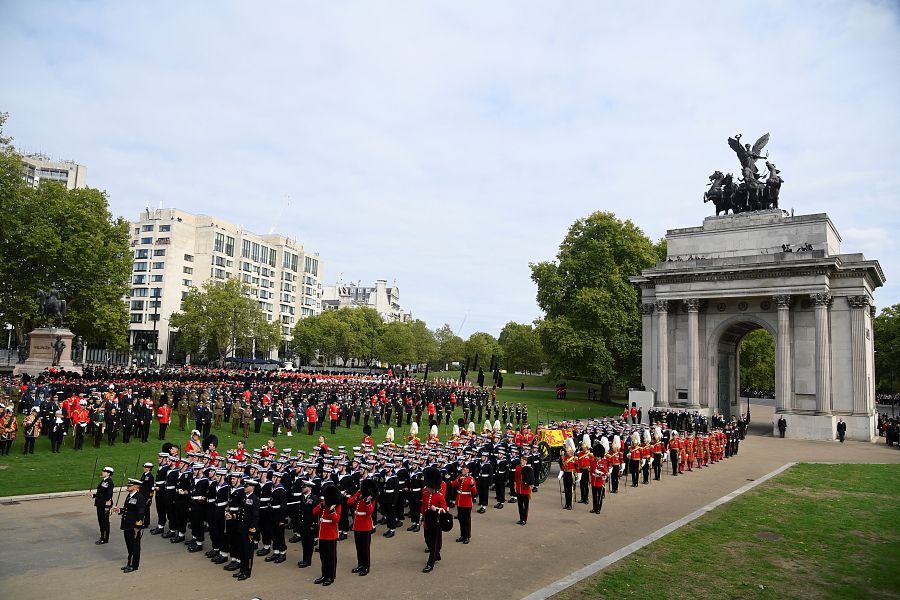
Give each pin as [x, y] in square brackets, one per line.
[290, 503]
[233, 509]
[465, 493]
[198, 497]
[326, 521]
[417, 489]
[266, 499]
[170, 487]
[276, 506]
[221, 503]
[389, 491]
[360, 513]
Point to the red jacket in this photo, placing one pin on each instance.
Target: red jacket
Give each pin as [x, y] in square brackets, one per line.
[334, 412]
[164, 413]
[311, 415]
[598, 474]
[522, 489]
[433, 500]
[362, 512]
[585, 460]
[465, 487]
[328, 520]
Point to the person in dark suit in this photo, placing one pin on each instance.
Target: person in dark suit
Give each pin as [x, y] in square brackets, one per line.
[841, 430]
[782, 425]
[103, 503]
[307, 525]
[246, 521]
[133, 513]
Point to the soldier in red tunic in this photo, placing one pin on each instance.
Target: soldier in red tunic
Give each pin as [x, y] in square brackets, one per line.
[363, 504]
[329, 512]
[465, 487]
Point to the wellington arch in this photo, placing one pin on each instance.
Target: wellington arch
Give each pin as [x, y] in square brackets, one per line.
[737, 273]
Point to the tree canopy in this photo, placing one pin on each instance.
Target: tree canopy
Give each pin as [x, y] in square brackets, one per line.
[219, 320]
[55, 237]
[592, 327]
[758, 361]
[887, 349]
[522, 350]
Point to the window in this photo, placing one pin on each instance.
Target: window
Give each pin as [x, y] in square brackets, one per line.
[272, 260]
[156, 292]
[146, 240]
[188, 258]
[160, 252]
[264, 255]
[163, 240]
[188, 270]
[165, 228]
[159, 265]
[183, 296]
[186, 282]
[245, 249]
[153, 317]
[254, 252]
[139, 292]
[229, 246]
[146, 227]
[137, 318]
[219, 243]
[137, 305]
[246, 279]
[220, 274]
[156, 278]
[139, 279]
[137, 231]
[154, 304]
[141, 253]
[285, 259]
[219, 261]
[295, 262]
[140, 266]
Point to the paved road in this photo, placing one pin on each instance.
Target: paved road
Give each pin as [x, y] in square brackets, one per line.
[46, 546]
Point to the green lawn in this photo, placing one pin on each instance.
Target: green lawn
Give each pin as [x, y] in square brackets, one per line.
[70, 470]
[815, 531]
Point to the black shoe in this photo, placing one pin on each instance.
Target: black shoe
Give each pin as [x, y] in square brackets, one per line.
[211, 554]
[356, 569]
[481, 510]
[389, 533]
[319, 580]
[98, 542]
[195, 548]
[129, 569]
[262, 552]
[342, 536]
[243, 576]
[364, 572]
[498, 505]
[174, 540]
[466, 541]
[272, 558]
[156, 531]
[302, 564]
[236, 574]
[327, 582]
[233, 566]
[428, 569]
[294, 539]
[168, 534]
[459, 539]
[520, 522]
[220, 560]
[125, 567]
[279, 558]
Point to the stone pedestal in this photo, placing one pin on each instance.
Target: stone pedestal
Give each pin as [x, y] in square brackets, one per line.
[811, 427]
[40, 353]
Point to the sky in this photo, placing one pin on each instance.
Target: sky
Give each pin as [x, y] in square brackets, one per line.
[446, 145]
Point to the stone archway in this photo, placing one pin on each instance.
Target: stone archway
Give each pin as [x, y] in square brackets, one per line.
[724, 378]
[736, 274]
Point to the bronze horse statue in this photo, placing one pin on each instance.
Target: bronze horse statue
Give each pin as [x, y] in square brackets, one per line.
[720, 192]
[52, 306]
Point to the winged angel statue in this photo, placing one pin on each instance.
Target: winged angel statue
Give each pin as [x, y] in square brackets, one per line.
[752, 193]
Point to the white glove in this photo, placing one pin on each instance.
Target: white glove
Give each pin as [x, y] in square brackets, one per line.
[560, 475]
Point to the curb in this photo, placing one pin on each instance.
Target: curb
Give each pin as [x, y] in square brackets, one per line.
[609, 559]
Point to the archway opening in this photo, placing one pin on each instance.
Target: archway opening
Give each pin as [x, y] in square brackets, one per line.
[746, 367]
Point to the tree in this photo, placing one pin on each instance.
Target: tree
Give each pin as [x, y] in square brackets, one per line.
[758, 361]
[305, 339]
[483, 345]
[366, 328]
[218, 319]
[397, 345]
[68, 239]
[450, 347]
[887, 348]
[522, 350]
[592, 328]
[424, 342]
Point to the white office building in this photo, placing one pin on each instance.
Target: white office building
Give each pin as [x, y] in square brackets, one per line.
[384, 299]
[38, 167]
[174, 250]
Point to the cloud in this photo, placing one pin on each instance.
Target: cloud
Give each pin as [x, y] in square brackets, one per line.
[448, 144]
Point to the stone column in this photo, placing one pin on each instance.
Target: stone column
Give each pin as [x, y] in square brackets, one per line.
[693, 307]
[823, 354]
[784, 372]
[647, 357]
[858, 307]
[662, 329]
